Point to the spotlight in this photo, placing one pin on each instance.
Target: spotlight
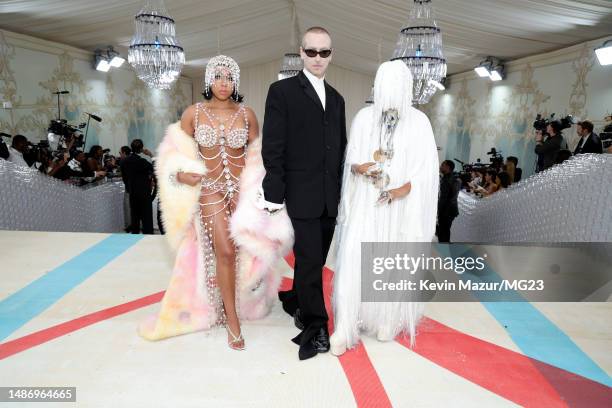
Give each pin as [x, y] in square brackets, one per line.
[115, 59]
[107, 58]
[482, 71]
[497, 73]
[491, 68]
[101, 62]
[484, 68]
[604, 53]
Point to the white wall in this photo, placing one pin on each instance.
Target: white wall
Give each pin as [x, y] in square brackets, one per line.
[30, 69]
[475, 114]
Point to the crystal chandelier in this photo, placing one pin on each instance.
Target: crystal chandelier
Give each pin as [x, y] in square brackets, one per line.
[419, 45]
[154, 51]
[291, 66]
[292, 62]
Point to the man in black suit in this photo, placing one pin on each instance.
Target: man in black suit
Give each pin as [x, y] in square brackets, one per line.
[304, 139]
[518, 172]
[137, 173]
[589, 142]
[448, 209]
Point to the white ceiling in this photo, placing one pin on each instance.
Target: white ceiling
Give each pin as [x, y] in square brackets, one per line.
[258, 31]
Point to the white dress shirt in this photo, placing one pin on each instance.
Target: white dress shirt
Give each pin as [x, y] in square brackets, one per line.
[318, 84]
[584, 140]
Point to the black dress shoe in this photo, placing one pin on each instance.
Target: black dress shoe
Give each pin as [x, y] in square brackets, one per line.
[297, 320]
[320, 341]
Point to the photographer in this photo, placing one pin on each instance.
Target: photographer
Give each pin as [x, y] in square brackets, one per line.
[74, 165]
[4, 152]
[137, 173]
[589, 142]
[518, 172]
[18, 148]
[491, 184]
[94, 159]
[548, 149]
[447, 202]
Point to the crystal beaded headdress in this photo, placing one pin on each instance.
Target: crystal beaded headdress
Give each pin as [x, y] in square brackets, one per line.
[221, 61]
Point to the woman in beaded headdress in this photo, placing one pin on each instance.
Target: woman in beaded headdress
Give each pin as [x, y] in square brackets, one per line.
[210, 161]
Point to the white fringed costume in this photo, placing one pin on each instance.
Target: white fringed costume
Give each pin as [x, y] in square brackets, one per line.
[408, 219]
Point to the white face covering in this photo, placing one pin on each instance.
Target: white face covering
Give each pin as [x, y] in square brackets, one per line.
[393, 88]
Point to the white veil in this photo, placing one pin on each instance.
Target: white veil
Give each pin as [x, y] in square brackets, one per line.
[409, 219]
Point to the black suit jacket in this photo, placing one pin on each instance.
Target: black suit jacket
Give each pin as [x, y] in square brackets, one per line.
[450, 186]
[592, 145]
[303, 147]
[136, 173]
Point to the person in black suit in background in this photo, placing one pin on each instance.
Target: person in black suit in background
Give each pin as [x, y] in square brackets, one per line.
[450, 186]
[589, 142]
[518, 172]
[137, 173]
[304, 139]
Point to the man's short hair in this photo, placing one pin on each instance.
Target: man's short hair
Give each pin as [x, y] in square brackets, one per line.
[126, 150]
[316, 29]
[513, 159]
[18, 139]
[137, 145]
[450, 164]
[586, 124]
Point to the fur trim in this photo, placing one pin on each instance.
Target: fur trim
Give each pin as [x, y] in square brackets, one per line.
[177, 152]
[262, 239]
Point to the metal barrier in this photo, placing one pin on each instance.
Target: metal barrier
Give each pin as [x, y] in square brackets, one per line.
[569, 202]
[32, 201]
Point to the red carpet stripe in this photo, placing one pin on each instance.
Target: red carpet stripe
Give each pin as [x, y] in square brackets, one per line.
[514, 376]
[502, 371]
[32, 340]
[365, 383]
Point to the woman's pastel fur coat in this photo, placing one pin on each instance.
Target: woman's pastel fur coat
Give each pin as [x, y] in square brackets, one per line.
[261, 240]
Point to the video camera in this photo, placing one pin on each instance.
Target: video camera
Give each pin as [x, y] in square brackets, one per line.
[60, 132]
[541, 123]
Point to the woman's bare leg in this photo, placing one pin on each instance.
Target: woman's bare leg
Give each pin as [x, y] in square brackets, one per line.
[225, 254]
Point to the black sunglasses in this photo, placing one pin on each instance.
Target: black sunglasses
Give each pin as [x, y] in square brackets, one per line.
[313, 53]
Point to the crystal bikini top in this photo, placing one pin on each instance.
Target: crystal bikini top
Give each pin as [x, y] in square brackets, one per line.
[208, 136]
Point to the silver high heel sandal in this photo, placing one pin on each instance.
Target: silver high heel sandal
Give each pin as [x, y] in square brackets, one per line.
[233, 344]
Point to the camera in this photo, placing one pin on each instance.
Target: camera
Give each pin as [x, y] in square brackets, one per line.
[541, 123]
[496, 160]
[60, 132]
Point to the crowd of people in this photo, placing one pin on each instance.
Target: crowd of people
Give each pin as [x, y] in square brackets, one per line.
[483, 181]
[134, 164]
[552, 148]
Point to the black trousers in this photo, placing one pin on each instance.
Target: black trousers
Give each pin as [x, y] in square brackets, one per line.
[141, 211]
[313, 238]
[443, 229]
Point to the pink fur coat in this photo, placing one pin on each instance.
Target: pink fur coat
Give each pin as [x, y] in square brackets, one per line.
[261, 240]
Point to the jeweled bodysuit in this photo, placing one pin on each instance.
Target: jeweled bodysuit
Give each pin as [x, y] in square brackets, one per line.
[220, 188]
